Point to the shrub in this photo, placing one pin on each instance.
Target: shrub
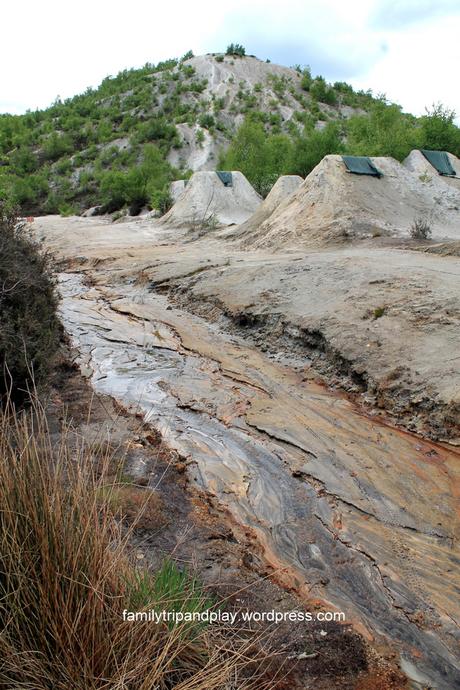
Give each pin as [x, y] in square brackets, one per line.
[29, 191]
[378, 312]
[311, 148]
[30, 330]
[322, 92]
[135, 186]
[200, 137]
[306, 80]
[113, 191]
[207, 121]
[56, 146]
[420, 228]
[161, 200]
[188, 71]
[67, 209]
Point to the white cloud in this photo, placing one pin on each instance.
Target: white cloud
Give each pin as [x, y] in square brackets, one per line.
[419, 67]
[400, 14]
[50, 48]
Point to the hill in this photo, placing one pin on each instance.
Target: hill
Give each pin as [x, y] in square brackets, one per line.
[122, 143]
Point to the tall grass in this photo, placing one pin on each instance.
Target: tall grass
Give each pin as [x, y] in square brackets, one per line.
[66, 577]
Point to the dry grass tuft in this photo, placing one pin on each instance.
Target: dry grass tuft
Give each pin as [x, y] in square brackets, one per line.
[66, 577]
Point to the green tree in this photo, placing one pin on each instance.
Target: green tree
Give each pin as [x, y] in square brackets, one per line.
[236, 49]
[153, 174]
[386, 131]
[57, 145]
[438, 130]
[310, 148]
[322, 92]
[23, 161]
[260, 157]
[188, 56]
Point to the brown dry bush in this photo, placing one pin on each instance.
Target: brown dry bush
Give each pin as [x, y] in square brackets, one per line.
[30, 329]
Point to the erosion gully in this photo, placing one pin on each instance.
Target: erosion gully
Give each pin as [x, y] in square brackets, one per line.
[349, 511]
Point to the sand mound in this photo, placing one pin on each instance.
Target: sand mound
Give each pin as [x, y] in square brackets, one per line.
[176, 188]
[207, 199]
[332, 205]
[418, 164]
[281, 190]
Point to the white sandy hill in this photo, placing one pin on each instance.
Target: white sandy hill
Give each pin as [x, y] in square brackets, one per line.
[418, 164]
[281, 190]
[227, 80]
[332, 205]
[206, 198]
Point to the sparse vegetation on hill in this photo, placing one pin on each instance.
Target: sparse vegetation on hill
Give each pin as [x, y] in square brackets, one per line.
[97, 148]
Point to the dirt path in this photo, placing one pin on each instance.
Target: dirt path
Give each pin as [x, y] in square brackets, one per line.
[349, 511]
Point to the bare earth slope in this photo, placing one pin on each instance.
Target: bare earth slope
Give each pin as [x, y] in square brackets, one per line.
[281, 190]
[351, 511]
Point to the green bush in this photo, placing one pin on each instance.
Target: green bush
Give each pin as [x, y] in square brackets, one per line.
[161, 199]
[56, 146]
[30, 330]
[310, 149]
[135, 186]
[385, 131]
[322, 92]
[29, 191]
[207, 121]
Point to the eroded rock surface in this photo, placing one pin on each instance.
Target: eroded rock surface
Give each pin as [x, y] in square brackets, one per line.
[349, 510]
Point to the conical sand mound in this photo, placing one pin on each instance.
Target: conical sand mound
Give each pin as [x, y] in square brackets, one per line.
[418, 164]
[333, 205]
[281, 190]
[207, 200]
[176, 188]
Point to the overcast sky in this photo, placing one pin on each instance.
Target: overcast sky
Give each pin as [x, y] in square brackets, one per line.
[407, 49]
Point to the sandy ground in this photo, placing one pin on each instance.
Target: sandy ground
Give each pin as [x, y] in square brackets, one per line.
[226, 352]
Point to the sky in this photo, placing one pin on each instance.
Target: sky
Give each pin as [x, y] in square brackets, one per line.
[408, 50]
